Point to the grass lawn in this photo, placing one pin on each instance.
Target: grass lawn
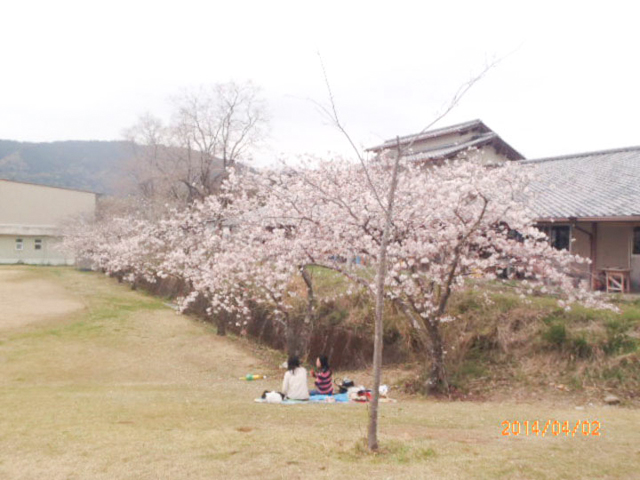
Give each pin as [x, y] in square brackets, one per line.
[98, 381]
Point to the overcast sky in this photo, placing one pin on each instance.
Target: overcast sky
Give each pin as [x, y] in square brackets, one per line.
[569, 81]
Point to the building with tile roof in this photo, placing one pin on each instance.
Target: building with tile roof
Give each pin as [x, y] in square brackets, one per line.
[590, 204]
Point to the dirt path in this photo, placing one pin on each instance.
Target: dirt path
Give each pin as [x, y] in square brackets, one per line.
[107, 383]
[94, 330]
[27, 298]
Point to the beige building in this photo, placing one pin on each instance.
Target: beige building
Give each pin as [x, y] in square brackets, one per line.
[589, 203]
[31, 217]
[448, 142]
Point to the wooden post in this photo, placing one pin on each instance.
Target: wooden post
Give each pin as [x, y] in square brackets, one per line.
[594, 254]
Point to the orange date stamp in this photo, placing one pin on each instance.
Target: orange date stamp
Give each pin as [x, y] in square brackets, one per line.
[555, 428]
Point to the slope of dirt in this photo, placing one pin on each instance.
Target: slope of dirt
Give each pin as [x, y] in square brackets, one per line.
[26, 298]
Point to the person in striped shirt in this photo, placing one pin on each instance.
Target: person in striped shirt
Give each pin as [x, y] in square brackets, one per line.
[324, 382]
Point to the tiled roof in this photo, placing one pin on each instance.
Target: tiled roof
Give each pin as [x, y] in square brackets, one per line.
[587, 185]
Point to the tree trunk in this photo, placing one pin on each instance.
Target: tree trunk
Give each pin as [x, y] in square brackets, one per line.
[293, 347]
[381, 275]
[437, 382]
[221, 323]
[306, 276]
[296, 337]
[298, 330]
[266, 321]
[307, 327]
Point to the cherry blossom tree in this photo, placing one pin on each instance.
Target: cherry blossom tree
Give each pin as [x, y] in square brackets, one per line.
[121, 247]
[386, 198]
[450, 222]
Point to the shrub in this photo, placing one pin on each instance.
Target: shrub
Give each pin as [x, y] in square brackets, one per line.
[556, 335]
[580, 347]
[618, 340]
[331, 314]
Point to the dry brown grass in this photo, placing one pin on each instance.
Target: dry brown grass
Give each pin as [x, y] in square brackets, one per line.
[47, 299]
[125, 388]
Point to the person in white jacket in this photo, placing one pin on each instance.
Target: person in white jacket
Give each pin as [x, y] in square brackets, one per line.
[294, 385]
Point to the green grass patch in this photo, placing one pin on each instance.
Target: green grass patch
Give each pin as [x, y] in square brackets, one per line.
[556, 335]
[389, 451]
[618, 339]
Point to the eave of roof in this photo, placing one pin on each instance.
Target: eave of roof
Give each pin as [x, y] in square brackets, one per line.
[609, 219]
[485, 137]
[46, 230]
[447, 151]
[581, 155]
[416, 137]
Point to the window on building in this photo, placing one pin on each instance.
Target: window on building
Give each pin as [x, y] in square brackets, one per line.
[559, 236]
[636, 241]
[19, 244]
[38, 244]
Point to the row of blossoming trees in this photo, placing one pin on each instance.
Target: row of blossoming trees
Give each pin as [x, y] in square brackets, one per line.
[246, 245]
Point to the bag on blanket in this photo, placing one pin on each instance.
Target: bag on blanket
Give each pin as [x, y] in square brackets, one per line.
[344, 386]
[272, 397]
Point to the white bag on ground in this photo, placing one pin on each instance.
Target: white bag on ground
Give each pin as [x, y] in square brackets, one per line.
[273, 397]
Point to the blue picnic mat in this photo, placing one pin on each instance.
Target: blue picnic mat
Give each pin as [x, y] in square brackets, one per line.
[338, 398]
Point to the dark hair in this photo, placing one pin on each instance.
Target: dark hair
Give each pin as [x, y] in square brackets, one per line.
[324, 362]
[293, 363]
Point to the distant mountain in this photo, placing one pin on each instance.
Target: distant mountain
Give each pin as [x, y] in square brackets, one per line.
[86, 165]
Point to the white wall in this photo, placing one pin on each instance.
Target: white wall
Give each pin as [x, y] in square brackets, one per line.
[47, 254]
